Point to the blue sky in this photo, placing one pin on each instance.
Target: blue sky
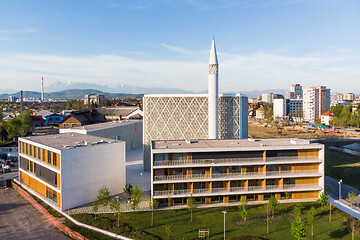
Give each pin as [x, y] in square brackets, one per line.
[262, 44]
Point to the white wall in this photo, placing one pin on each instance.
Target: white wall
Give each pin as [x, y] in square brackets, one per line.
[85, 170]
[279, 108]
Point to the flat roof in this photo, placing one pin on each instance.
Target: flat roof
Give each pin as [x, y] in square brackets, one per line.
[64, 141]
[104, 125]
[232, 143]
[194, 95]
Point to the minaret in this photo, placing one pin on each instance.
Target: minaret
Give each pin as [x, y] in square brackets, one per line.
[42, 89]
[213, 93]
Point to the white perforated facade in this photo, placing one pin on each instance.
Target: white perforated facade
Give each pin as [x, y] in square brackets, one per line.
[185, 116]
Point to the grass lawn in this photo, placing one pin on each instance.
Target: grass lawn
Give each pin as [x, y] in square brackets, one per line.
[137, 225]
[343, 166]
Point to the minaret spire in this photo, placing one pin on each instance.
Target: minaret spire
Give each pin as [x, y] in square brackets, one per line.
[213, 93]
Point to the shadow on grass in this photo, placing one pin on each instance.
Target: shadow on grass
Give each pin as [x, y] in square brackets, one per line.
[340, 233]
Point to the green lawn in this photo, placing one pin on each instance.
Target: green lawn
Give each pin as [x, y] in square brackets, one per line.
[137, 225]
[343, 166]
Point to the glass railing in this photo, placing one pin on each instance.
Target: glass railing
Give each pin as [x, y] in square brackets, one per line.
[230, 160]
[233, 175]
[287, 187]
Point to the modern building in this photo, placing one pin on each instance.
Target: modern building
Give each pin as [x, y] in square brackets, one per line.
[326, 117]
[12, 98]
[129, 131]
[285, 108]
[280, 108]
[267, 97]
[295, 92]
[316, 100]
[194, 116]
[67, 170]
[95, 99]
[224, 171]
[121, 113]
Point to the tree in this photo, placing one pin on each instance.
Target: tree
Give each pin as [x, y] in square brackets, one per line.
[352, 197]
[69, 106]
[330, 209]
[169, 203]
[168, 231]
[267, 210]
[103, 196]
[191, 203]
[4, 134]
[273, 203]
[337, 110]
[95, 208]
[322, 200]
[297, 228]
[14, 127]
[242, 209]
[311, 219]
[135, 197]
[298, 210]
[353, 225]
[153, 203]
[128, 188]
[26, 122]
[116, 206]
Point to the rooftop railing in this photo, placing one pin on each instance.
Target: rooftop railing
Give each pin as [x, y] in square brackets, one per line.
[232, 175]
[287, 187]
[230, 160]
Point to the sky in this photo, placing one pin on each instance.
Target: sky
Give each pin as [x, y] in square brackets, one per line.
[261, 44]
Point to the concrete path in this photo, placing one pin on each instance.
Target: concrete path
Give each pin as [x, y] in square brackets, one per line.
[20, 220]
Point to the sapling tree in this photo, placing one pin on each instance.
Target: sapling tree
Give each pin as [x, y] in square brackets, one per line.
[153, 203]
[95, 208]
[273, 203]
[135, 197]
[191, 203]
[116, 207]
[311, 219]
[243, 209]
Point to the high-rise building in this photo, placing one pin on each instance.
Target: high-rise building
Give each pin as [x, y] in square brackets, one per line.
[267, 97]
[316, 101]
[295, 92]
[284, 108]
[194, 116]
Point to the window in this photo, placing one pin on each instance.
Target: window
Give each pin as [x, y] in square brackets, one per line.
[30, 150]
[31, 166]
[48, 157]
[43, 154]
[54, 159]
[35, 152]
[51, 194]
[39, 153]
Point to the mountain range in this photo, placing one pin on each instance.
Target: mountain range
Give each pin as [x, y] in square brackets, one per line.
[60, 90]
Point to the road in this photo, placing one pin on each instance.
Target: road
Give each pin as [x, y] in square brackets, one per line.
[20, 220]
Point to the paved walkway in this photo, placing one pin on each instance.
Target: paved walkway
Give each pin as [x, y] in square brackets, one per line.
[20, 220]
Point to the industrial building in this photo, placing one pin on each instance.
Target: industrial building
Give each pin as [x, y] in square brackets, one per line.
[225, 171]
[129, 131]
[67, 170]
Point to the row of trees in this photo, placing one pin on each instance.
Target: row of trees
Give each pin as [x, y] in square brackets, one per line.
[346, 116]
[16, 127]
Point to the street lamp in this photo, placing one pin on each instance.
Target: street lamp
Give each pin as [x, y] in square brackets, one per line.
[224, 212]
[339, 182]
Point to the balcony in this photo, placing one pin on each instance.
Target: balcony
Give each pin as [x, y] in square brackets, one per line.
[236, 190]
[245, 175]
[258, 160]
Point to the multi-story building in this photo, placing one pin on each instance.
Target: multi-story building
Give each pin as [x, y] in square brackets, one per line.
[284, 108]
[194, 116]
[316, 100]
[267, 97]
[96, 99]
[224, 171]
[67, 170]
[129, 131]
[295, 92]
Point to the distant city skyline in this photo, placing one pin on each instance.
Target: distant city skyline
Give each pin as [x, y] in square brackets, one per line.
[265, 44]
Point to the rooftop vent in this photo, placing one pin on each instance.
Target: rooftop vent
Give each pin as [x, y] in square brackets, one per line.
[102, 141]
[188, 141]
[176, 144]
[66, 146]
[253, 140]
[163, 147]
[87, 143]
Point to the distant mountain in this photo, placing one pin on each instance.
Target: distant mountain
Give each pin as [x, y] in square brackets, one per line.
[119, 88]
[68, 94]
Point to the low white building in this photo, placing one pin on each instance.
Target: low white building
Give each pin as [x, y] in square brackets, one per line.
[280, 108]
[267, 97]
[67, 170]
[326, 117]
[129, 131]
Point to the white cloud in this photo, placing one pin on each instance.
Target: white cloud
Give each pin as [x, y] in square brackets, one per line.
[175, 49]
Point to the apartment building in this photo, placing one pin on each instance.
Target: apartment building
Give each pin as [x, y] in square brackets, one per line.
[224, 171]
[267, 97]
[284, 108]
[316, 100]
[67, 170]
